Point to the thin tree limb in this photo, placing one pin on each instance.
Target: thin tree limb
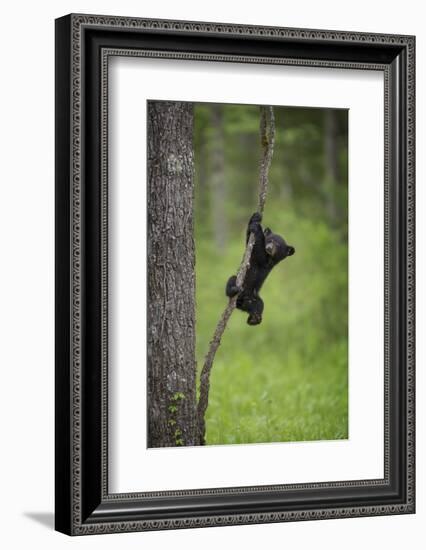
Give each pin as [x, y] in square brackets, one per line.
[267, 137]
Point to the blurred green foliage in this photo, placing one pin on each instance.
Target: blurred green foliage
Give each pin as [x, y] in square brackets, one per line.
[286, 379]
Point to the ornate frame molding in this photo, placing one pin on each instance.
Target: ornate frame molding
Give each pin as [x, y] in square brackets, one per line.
[73, 504]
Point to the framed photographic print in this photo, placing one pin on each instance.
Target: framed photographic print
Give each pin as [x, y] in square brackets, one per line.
[234, 274]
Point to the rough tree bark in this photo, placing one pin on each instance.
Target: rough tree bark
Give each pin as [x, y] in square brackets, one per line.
[171, 285]
[267, 137]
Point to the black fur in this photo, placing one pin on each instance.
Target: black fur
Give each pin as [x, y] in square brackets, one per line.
[269, 249]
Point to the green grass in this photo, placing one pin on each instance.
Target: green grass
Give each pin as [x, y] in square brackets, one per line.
[286, 379]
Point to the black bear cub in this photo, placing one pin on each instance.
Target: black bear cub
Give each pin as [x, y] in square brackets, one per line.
[268, 250]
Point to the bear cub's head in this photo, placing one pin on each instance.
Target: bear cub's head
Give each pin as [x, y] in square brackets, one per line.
[276, 247]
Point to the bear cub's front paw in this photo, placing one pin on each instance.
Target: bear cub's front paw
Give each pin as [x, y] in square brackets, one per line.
[255, 221]
[256, 218]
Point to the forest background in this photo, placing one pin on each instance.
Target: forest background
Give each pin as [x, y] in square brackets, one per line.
[286, 379]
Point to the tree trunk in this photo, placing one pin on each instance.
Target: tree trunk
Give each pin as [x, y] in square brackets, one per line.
[218, 177]
[171, 284]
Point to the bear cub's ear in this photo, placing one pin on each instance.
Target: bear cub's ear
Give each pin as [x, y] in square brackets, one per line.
[290, 250]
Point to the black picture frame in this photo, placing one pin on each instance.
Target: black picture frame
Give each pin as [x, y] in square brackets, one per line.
[83, 504]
